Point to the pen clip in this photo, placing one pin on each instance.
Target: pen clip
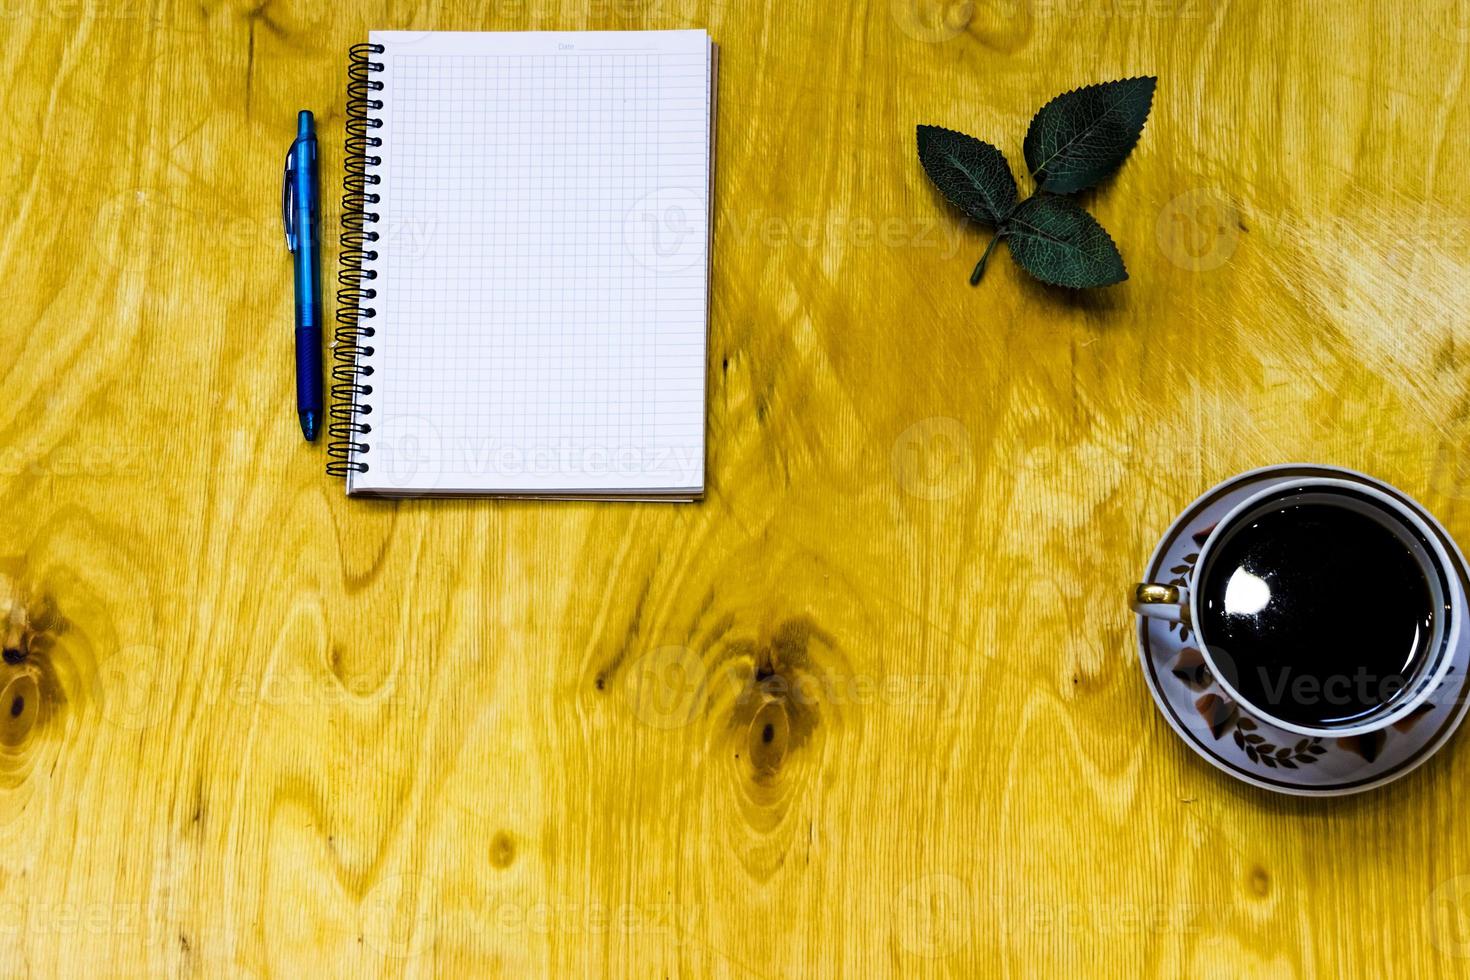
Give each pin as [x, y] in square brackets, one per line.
[286, 201]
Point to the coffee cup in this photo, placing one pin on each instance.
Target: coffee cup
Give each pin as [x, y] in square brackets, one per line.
[1322, 606]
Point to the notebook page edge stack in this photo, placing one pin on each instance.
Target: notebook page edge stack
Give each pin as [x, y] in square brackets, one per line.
[535, 266]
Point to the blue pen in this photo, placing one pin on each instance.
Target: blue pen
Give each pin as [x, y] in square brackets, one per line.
[301, 211]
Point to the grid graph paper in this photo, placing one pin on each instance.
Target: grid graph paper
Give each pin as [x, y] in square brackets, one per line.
[542, 264]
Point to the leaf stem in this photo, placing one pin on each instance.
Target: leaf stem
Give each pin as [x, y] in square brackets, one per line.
[980, 266]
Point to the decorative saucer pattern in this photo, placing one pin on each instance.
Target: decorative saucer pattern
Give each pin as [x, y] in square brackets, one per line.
[1255, 751]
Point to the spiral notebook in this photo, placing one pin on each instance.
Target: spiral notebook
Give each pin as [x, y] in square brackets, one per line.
[525, 279]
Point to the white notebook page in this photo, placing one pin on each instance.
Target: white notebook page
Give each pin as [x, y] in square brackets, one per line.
[542, 268]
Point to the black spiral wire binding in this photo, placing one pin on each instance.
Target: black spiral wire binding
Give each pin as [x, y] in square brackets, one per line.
[347, 427]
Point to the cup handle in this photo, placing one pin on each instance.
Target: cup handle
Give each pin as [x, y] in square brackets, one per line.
[1166, 602]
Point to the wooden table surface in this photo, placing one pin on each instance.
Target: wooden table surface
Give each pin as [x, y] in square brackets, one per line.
[873, 707]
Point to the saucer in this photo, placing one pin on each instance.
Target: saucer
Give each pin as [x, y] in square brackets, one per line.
[1255, 751]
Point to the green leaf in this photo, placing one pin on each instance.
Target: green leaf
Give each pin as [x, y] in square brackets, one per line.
[972, 174]
[1079, 138]
[1059, 243]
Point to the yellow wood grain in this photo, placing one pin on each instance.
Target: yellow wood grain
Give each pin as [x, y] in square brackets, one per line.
[872, 708]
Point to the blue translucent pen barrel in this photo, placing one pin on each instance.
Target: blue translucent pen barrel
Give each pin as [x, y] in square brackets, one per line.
[305, 219]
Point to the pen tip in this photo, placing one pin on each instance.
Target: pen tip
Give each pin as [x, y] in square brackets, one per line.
[303, 122]
[308, 425]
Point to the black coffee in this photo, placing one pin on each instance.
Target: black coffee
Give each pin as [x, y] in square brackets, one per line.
[1322, 611]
